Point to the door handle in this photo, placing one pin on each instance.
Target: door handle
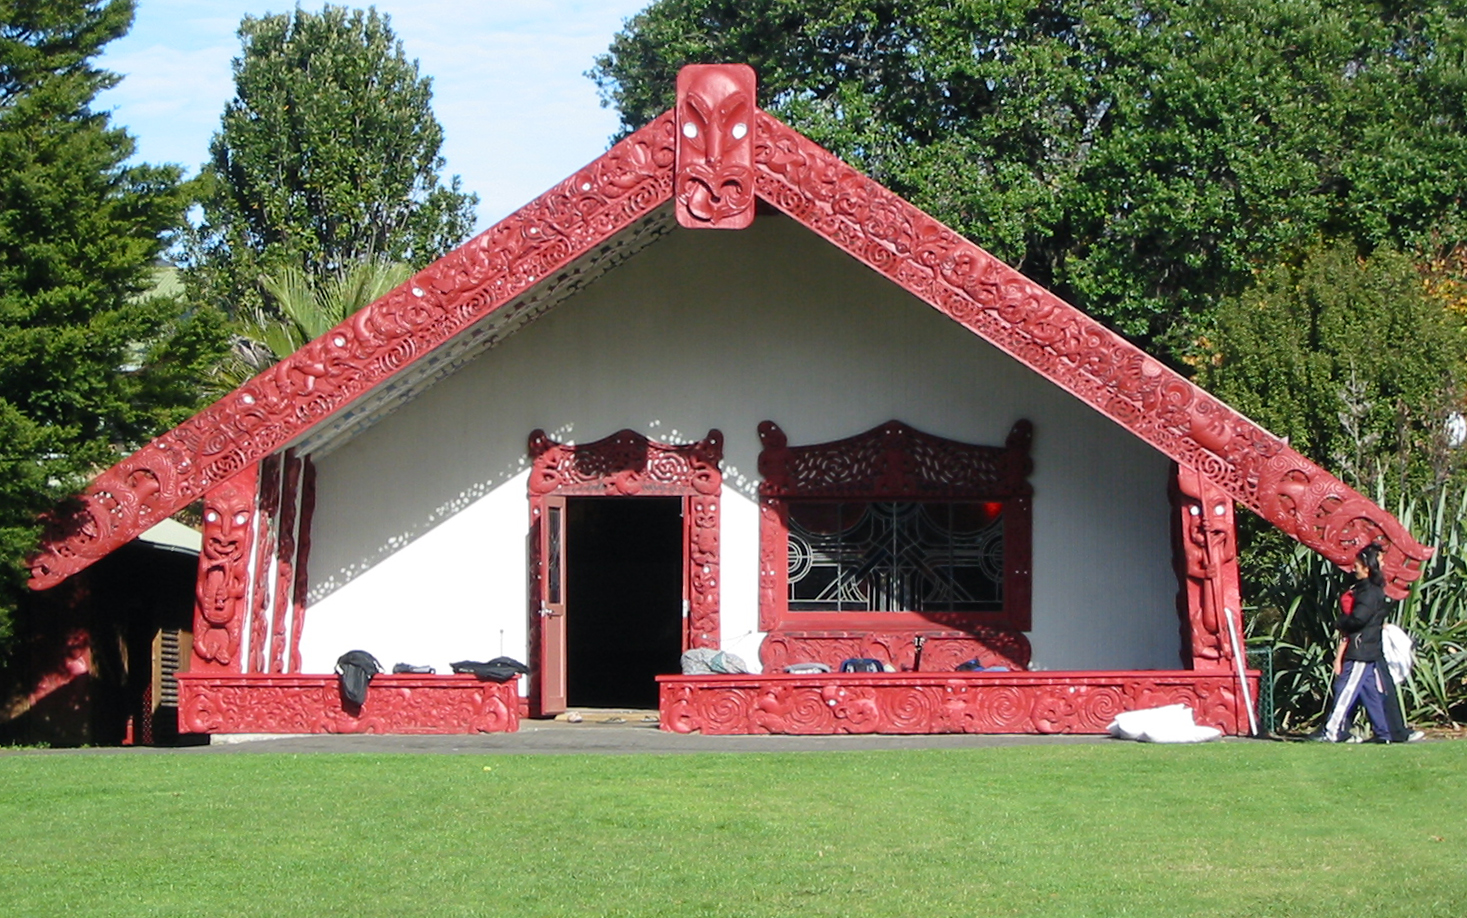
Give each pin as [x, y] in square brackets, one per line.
[547, 612]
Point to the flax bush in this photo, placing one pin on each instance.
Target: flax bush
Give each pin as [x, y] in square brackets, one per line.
[1298, 607]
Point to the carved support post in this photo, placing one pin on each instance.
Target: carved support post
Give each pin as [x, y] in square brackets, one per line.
[264, 552]
[222, 595]
[302, 556]
[285, 561]
[1206, 558]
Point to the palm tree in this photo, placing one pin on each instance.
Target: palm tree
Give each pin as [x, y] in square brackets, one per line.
[307, 310]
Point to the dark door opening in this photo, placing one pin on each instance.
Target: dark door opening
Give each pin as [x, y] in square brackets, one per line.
[624, 592]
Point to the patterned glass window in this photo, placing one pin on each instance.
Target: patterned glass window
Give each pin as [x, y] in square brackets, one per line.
[895, 556]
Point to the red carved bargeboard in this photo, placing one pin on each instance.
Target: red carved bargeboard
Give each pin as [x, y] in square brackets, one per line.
[273, 703]
[815, 188]
[484, 274]
[1053, 702]
[1076, 352]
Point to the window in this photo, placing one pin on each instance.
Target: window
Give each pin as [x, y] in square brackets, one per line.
[895, 556]
[894, 528]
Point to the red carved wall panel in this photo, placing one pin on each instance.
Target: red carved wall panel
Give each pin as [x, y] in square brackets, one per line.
[632, 179]
[628, 464]
[265, 554]
[222, 595]
[715, 146]
[285, 579]
[302, 556]
[894, 462]
[269, 703]
[1076, 352]
[1073, 702]
[1207, 570]
[942, 651]
[815, 188]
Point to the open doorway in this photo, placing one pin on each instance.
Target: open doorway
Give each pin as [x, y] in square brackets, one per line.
[624, 598]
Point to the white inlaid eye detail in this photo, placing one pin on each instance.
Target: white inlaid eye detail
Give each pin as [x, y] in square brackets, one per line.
[585, 186]
[211, 516]
[417, 291]
[241, 518]
[739, 130]
[690, 130]
[247, 399]
[339, 341]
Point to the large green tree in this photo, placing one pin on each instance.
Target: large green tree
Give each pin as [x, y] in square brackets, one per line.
[327, 157]
[1140, 157]
[1356, 360]
[91, 365]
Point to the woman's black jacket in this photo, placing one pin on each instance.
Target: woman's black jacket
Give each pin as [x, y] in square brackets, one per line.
[1363, 622]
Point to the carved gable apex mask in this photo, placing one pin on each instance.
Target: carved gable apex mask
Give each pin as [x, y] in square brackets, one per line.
[715, 146]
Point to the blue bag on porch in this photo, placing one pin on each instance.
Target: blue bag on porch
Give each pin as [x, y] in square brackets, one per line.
[861, 665]
[355, 669]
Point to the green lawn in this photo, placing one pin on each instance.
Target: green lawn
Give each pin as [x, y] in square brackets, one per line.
[1222, 829]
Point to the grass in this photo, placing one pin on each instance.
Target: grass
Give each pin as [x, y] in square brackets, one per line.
[1087, 830]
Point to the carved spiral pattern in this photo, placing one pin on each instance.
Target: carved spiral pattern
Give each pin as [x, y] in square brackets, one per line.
[724, 713]
[1099, 706]
[908, 710]
[1007, 709]
[808, 712]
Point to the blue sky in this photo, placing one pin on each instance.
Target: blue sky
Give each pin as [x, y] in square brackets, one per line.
[518, 114]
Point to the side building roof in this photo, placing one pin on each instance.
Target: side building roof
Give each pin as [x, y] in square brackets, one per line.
[712, 156]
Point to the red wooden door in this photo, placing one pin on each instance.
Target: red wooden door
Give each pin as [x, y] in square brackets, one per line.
[551, 617]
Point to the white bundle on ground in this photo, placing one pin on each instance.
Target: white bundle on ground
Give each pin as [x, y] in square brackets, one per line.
[1171, 723]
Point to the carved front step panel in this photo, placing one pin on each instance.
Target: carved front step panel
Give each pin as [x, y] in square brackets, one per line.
[900, 703]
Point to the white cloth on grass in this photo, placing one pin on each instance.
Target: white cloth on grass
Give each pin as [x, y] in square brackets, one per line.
[1171, 723]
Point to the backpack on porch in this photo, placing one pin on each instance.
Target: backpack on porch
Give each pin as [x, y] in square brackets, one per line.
[355, 669]
[861, 665]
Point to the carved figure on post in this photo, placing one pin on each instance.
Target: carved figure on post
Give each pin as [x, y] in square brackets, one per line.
[1208, 566]
[219, 610]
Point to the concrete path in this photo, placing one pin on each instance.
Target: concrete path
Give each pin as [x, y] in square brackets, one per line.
[541, 737]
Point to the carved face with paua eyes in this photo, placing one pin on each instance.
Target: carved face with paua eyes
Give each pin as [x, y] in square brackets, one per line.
[715, 146]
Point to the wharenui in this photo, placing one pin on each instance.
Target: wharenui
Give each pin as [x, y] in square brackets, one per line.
[720, 390]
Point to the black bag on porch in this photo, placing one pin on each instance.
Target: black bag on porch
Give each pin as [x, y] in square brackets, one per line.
[355, 668]
[861, 665]
[499, 669]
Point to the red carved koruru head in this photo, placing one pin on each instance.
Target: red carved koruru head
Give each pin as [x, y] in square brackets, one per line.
[715, 146]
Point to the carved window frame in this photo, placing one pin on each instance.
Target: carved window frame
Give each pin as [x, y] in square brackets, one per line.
[894, 462]
[628, 464]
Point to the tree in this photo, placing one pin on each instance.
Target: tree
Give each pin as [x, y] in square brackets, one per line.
[328, 156]
[1142, 159]
[1356, 360]
[307, 311]
[91, 365]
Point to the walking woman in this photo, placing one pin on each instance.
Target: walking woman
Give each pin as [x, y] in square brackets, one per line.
[1361, 674]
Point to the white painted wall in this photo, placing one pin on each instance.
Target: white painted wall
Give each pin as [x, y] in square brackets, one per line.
[418, 548]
